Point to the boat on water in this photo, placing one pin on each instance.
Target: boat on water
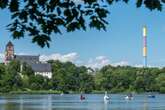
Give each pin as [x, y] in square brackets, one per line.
[129, 97]
[106, 97]
[151, 96]
[62, 94]
[82, 97]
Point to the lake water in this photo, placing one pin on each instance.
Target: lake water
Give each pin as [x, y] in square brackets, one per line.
[72, 102]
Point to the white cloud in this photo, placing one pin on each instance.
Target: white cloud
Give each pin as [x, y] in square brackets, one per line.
[101, 61]
[138, 65]
[121, 63]
[98, 62]
[22, 53]
[57, 56]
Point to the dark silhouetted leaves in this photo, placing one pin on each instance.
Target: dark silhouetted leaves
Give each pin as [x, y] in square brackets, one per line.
[58, 11]
[96, 23]
[139, 3]
[17, 34]
[102, 13]
[40, 18]
[153, 4]
[14, 5]
[42, 40]
[163, 1]
[3, 3]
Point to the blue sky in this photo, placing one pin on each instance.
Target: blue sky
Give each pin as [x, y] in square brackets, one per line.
[120, 44]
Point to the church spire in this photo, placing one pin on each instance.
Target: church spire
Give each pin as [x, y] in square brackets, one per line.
[9, 44]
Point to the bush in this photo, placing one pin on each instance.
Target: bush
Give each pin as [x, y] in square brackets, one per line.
[162, 89]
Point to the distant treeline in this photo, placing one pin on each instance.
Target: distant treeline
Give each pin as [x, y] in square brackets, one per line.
[67, 77]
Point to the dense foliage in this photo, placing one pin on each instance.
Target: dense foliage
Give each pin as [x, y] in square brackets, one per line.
[67, 77]
[40, 18]
[130, 79]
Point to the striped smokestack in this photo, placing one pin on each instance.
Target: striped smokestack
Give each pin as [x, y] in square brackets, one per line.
[145, 45]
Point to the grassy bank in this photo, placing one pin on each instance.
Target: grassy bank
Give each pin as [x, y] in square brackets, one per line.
[69, 92]
[34, 92]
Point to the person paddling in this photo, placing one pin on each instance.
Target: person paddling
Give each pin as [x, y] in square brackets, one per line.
[82, 97]
[106, 97]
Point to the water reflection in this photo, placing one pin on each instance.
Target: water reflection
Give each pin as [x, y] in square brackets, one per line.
[106, 105]
[72, 102]
[49, 102]
[21, 103]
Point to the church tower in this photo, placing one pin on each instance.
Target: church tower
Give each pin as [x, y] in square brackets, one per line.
[9, 55]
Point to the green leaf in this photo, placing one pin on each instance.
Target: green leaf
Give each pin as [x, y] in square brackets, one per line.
[17, 34]
[14, 5]
[139, 3]
[42, 40]
[3, 4]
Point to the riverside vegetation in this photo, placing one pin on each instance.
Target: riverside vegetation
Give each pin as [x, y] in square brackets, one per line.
[69, 78]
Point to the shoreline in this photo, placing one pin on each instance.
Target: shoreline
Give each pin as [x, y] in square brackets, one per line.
[71, 92]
